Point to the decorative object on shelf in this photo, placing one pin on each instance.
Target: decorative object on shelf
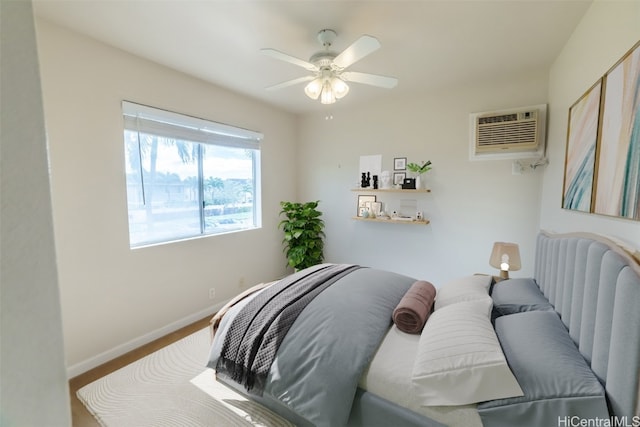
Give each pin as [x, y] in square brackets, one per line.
[365, 180]
[397, 216]
[409, 184]
[369, 209]
[398, 178]
[376, 209]
[418, 170]
[400, 163]
[303, 234]
[385, 180]
[506, 257]
[375, 182]
[369, 165]
[364, 204]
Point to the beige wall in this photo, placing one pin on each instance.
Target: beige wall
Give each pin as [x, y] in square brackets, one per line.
[607, 31]
[472, 204]
[113, 297]
[33, 386]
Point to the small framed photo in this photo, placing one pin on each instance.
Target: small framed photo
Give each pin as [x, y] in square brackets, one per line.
[400, 163]
[376, 208]
[364, 204]
[398, 178]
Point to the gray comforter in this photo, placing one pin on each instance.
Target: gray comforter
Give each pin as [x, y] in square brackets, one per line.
[253, 339]
[316, 369]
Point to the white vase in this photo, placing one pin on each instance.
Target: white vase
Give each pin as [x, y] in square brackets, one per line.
[418, 182]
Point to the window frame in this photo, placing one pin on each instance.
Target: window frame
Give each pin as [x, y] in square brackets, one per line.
[143, 119]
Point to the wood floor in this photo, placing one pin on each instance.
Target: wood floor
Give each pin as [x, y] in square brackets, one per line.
[83, 418]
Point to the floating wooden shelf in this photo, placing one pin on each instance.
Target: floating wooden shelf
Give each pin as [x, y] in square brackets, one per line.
[392, 190]
[392, 221]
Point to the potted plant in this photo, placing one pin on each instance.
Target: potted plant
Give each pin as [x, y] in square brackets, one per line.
[418, 170]
[303, 234]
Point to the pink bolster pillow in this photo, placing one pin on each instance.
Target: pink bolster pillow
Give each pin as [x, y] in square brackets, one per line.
[414, 308]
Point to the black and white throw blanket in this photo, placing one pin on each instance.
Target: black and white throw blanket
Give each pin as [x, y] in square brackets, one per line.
[255, 335]
[322, 356]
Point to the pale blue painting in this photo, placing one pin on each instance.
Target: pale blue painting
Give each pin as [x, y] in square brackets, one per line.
[581, 151]
[618, 178]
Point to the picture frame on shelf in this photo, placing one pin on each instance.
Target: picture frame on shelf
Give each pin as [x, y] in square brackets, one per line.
[364, 204]
[400, 164]
[398, 178]
[376, 208]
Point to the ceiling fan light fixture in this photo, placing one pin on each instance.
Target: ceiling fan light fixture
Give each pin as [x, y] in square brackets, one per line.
[328, 81]
[327, 96]
[340, 87]
[313, 89]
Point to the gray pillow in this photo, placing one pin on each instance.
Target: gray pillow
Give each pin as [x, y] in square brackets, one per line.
[556, 380]
[518, 295]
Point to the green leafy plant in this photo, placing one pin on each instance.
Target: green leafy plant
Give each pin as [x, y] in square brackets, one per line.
[420, 169]
[303, 234]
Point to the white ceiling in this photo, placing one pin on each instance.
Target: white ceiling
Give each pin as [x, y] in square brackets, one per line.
[426, 44]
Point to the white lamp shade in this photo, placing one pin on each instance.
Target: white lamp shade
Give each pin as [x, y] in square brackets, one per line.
[505, 256]
[327, 96]
[327, 88]
[313, 89]
[340, 88]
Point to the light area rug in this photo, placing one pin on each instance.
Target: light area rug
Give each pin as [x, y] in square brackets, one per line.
[172, 387]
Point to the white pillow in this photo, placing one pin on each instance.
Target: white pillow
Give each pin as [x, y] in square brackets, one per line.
[459, 358]
[463, 289]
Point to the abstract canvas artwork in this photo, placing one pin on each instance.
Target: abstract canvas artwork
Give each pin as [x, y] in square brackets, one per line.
[580, 157]
[618, 171]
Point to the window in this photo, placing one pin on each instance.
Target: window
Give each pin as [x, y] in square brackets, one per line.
[188, 177]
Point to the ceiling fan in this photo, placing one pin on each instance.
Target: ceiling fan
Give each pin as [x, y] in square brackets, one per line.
[328, 77]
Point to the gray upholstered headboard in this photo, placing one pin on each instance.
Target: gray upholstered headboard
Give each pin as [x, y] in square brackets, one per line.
[594, 284]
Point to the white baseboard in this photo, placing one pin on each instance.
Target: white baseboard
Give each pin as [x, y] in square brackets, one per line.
[95, 361]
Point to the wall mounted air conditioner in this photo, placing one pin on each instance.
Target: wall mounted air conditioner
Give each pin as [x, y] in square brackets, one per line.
[516, 133]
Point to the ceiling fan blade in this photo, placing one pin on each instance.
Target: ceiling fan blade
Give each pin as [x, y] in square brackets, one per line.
[288, 58]
[291, 82]
[370, 79]
[358, 50]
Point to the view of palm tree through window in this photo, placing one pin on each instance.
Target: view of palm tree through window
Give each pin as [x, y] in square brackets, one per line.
[179, 189]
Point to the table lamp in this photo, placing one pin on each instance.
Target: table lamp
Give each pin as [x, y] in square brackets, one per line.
[506, 257]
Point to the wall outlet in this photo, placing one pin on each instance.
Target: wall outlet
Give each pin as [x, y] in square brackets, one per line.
[516, 167]
[212, 293]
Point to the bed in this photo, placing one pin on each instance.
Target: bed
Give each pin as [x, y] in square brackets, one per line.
[558, 349]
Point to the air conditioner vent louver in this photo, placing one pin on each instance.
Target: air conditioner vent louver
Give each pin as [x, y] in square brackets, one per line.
[507, 133]
[497, 119]
[513, 132]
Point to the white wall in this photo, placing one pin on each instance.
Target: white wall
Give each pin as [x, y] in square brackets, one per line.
[33, 386]
[607, 31]
[472, 204]
[111, 295]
